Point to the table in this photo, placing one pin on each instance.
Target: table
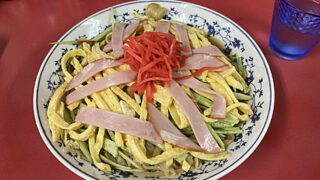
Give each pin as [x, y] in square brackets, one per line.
[288, 151]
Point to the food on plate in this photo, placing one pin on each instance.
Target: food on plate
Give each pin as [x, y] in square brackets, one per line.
[155, 11]
[151, 97]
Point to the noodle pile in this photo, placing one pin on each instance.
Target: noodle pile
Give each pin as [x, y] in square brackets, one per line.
[107, 149]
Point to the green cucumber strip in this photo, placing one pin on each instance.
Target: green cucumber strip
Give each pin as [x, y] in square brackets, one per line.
[201, 100]
[242, 97]
[67, 116]
[161, 146]
[216, 137]
[110, 147]
[85, 150]
[129, 160]
[180, 158]
[112, 18]
[118, 166]
[228, 130]
[102, 35]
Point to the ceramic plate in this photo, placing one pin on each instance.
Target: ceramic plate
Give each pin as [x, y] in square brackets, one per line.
[228, 33]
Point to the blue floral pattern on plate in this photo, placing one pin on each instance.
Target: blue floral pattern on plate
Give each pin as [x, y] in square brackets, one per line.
[232, 45]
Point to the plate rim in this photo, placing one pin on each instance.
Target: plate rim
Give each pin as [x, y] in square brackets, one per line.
[217, 175]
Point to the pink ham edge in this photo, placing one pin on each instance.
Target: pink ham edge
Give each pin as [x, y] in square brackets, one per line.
[163, 26]
[118, 122]
[127, 32]
[219, 105]
[168, 131]
[130, 29]
[90, 70]
[198, 61]
[183, 38]
[117, 40]
[100, 84]
[196, 121]
[210, 50]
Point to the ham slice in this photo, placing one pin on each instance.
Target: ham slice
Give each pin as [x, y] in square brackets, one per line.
[219, 104]
[163, 26]
[198, 61]
[118, 122]
[183, 38]
[117, 40]
[90, 70]
[168, 131]
[196, 121]
[127, 32]
[210, 50]
[130, 29]
[100, 84]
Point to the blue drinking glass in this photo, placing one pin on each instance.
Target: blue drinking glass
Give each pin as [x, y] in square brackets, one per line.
[295, 28]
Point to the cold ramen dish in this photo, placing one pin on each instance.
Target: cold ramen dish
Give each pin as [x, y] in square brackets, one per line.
[153, 97]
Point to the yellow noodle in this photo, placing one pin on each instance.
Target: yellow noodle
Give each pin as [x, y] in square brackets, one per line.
[95, 147]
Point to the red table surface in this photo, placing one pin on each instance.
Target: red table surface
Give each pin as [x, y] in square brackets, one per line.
[290, 149]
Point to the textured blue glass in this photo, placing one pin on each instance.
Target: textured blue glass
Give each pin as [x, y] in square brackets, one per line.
[294, 32]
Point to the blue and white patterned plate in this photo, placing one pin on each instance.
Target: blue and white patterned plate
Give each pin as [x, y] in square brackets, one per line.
[233, 37]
